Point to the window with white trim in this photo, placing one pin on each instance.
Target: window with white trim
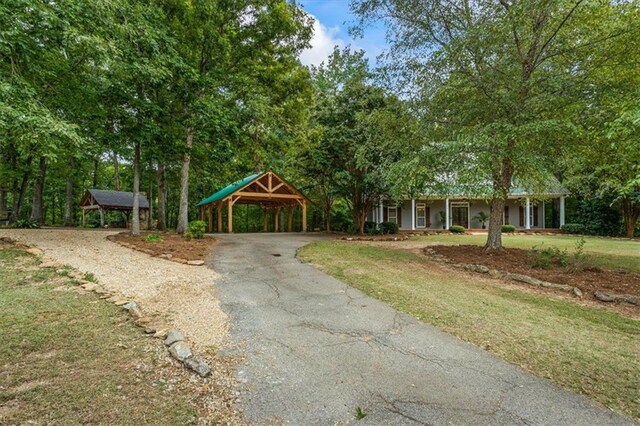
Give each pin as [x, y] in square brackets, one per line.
[392, 214]
[421, 215]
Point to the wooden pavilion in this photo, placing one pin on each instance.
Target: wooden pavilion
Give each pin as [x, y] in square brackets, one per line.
[106, 200]
[266, 189]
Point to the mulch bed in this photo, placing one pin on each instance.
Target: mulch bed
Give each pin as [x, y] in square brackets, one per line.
[172, 247]
[517, 261]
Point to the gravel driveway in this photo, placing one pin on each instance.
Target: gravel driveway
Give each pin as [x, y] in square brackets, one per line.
[180, 293]
[318, 349]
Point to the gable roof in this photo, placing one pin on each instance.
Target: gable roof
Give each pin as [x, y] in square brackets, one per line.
[251, 188]
[115, 199]
[229, 189]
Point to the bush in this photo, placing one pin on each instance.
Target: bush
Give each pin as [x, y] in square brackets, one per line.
[196, 229]
[389, 228]
[457, 229]
[573, 228]
[508, 228]
[153, 238]
[26, 224]
[371, 228]
[544, 258]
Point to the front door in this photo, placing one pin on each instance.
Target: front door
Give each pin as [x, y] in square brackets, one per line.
[421, 216]
[460, 215]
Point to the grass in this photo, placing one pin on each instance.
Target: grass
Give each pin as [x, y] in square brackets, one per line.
[71, 358]
[589, 350]
[606, 252]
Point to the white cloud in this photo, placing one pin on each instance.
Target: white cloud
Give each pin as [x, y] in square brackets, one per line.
[322, 43]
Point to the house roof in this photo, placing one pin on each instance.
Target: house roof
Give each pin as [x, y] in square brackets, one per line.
[552, 186]
[229, 189]
[115, 199]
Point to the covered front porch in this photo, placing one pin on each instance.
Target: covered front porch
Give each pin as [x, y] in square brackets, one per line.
[525, 213]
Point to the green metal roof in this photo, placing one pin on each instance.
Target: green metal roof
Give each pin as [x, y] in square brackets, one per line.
[229, 189]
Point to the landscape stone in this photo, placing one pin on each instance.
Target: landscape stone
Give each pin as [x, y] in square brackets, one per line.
[196, 262]
[35, 251]
[133, 309]
[199, 366]
[180, 351]
[173, 336]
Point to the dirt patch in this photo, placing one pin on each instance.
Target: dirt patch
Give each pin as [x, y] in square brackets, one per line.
[518, 261]
[170, 246]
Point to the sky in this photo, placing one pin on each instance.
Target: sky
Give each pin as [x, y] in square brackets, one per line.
[332, 21]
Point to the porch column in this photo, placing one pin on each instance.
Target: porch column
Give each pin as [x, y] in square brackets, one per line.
[380, 213]
[304, 216]
[413, 214]
[446, 213]
[527, 215]
[561, 210]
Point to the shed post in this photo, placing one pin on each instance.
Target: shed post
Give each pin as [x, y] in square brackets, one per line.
[290, 219]
[210, 218]
[265, 220]
[304, 216]
[84, 218]
[230, 216]
[101, 217]
[276, 214]
[219, 219]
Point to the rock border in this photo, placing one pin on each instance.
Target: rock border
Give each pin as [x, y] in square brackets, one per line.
[166, 256]
[173, 339]
[496, 273]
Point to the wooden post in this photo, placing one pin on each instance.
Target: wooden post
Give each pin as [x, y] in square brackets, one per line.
[101, 218]
[265, 220]
[230, 216]
[304, 216]
[220, 217]
[275, 219]
[84, 218]
[210, 217]
[290, 219]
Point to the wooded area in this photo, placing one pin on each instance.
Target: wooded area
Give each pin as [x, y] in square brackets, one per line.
[177, 98]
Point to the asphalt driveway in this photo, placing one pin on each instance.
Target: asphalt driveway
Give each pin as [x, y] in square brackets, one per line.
[318, 349]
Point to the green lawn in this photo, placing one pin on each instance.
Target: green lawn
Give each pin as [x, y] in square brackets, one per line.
[607, 252]
[591, 351]
[70, 358]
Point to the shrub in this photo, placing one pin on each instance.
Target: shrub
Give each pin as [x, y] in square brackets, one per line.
[389, 228]
[196, 229]
[457, 229]
[579, 260]
[544, 258]
[153, 238]
[26, 224]
[371, 228]
[508, 228]
[573, 228]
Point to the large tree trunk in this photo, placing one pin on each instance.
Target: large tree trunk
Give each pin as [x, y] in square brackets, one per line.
[183, 212]
[630, 214]
[150, 198]
[68, 198]
[96, 167]
[496, 210]
[3, 202]
[37, 212]
[19, 191]
[162, 198]
[116, 171]
[135, 212]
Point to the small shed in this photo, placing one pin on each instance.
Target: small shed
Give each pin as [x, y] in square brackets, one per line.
[265, 189]
[106, 200]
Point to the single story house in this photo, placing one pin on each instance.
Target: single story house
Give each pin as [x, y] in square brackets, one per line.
[523, 209]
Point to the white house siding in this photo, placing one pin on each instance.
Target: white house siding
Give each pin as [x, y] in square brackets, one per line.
[475, 207]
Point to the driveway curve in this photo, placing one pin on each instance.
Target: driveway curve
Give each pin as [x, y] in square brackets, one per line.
[317, 350]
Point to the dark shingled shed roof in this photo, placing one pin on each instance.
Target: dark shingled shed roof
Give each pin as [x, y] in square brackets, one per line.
[116, 199]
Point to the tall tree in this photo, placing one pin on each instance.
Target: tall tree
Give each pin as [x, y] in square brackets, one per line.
[496, 79]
